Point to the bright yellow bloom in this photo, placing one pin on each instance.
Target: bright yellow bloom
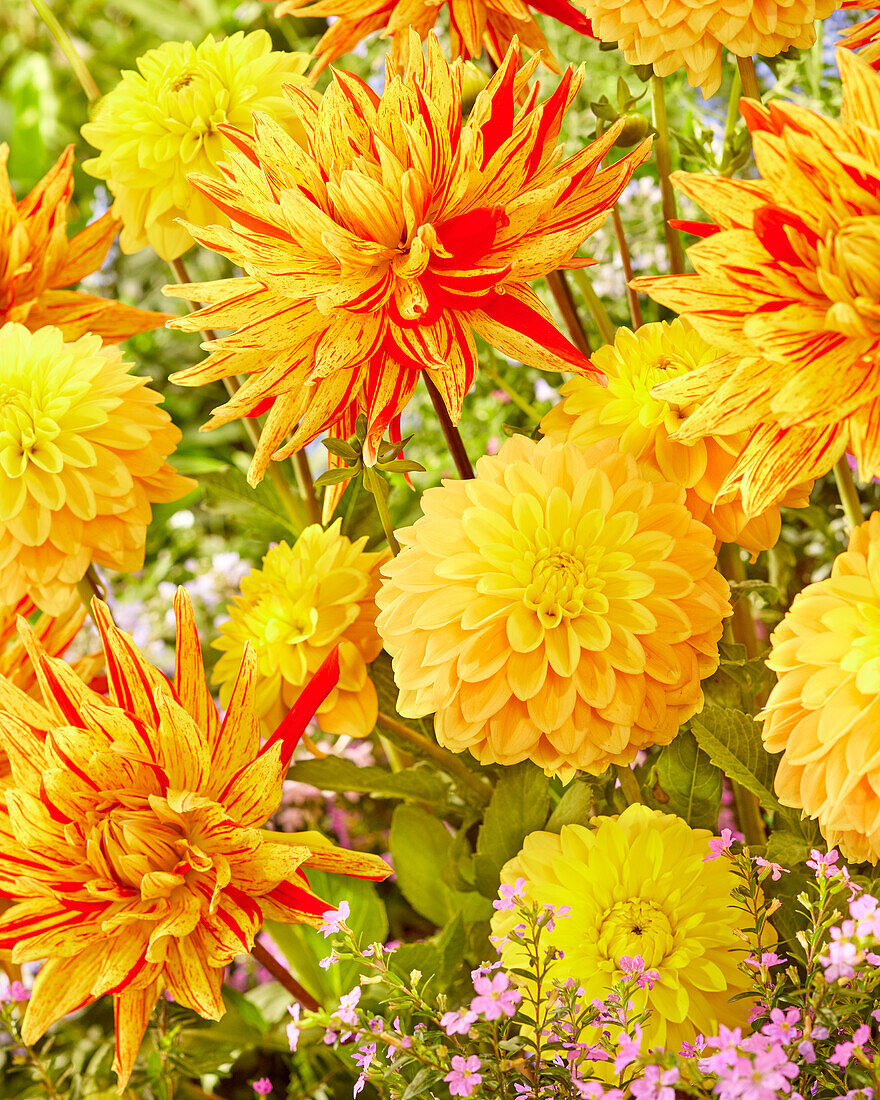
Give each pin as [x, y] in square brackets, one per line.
[643, 423]
[164, 121]
[306, 600]
[791, 273]
[637, 884]
[130, 839]
[377, 253]
[473, 24]
[694, 34]
[823, 712]
[82, 457]
[37, 260]
[562, 607]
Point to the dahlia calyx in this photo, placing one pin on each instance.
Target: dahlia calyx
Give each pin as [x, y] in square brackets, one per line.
[376, 253]
[473, 24]
[630, 411]
[37, 261]
[130, 839]
[822, 713]
[82, 454]
[788, 282]
[561, 607]
[675, 34]
[305, 601]
[166, 120]
[639, 884]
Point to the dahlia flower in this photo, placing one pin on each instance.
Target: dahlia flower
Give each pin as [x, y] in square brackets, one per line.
[675, 34]
[82, 454]
[130, 839]
[306, 600]
[473, 24]
[37, 260]
[822, 713]
[377, 253]
[562, 607]
[864, 36]
[639, 884]
[166, 120]
[643, 424]
[788, 282]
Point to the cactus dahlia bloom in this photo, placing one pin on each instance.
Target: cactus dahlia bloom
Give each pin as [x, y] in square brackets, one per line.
[628, 411]
[378, 252]
[37, 260]
[822, 713]
[165, 120]
[790, 273]
[694, 34]
[131, 841]
[864, 36]
[562, 607]
[473, 24]
[82, 455]
[306, 600]
[639, 884]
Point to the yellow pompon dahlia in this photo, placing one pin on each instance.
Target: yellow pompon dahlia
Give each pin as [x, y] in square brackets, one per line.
[639, 884]
[473, 24]
[130, 834]
[822, 715]
[306, 600]
[865, 36]
[166, 120]
[788, 282]
[562, 607]
[378, 252]
[82, 457]
[694, 34]
[643, 424]
[37, 260]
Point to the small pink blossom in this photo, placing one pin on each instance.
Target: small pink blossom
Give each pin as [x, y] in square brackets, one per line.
[262, 1086]
[464, 1076]
[510, 895]
[458, 1022]
[494, 999]
[718, 845]
[333, 919]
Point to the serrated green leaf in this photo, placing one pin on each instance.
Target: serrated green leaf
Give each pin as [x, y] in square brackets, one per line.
[690, 781]
[247, 1012]
[519, 805]
[228, 490]
[769, 593]
[732, 740]
[417, 784]
[574, 808]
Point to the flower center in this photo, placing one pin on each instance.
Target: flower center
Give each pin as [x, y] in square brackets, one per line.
[562, 585]
[635, 927]
[282, 620]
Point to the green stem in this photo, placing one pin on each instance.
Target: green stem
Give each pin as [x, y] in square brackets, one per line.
[664, 168]
[307, 486]
[730, 124]
[751, 87]
[89, 586]
[450, 763]
[385, 517]
[595, 306]
[748, 814]
[80, 70]
[849, 494]
[491, 370]
[629, 784]
[632, 296]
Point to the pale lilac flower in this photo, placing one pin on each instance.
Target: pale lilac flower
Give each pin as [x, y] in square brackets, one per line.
[823, 863]
[842, 1054]
[782, 1027]
[328, 960]
[292, 1029]
[718, 845]
[458, 1022]
[807, 1051]
[494, 999]
[464, 1076]
[776, 870]
[333, 919]
[347, 1005]
[510, 895]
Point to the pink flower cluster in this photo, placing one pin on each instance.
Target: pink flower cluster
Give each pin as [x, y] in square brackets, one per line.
[756, 1068]
[851, 944]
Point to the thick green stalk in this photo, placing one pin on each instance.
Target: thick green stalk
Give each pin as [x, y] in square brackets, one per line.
[80, 70]
[751, 87]
[849, 494]
[628, 784]
[664, 169]
[595, 306]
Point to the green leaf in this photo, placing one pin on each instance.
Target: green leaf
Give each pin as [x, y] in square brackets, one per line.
[228, 491]
[421, 847]
[416, 1086]
[769, 593]
[574, 808]
[246, 1010]
[417, 784]
[732, 740]
[691, 782]
[519, 805]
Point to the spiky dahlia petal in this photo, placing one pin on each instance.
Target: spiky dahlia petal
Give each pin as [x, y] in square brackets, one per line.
[864, 36]
[128, 843]
[562, 607]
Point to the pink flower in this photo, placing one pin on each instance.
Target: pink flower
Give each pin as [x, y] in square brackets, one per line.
[823, 863]
[464, 1076]
[458, 1022]
[782, 1025]
[842, 1054]
[655, 1085]
[493, 998]
[262, 1086]
[292, 1029]
[347, 1005]
[334, 919]
[510, 895]
[630, 1047]
[776, 871]
[719, 845]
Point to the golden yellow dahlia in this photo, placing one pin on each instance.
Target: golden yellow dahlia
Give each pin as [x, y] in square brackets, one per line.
[377, 253]
[164, 121]
[694, 34]
[822, 713]
[130, 834]
[643, 424]
[562, 607]
[306, 600]
[473, 24]
[788, 282]
[639, 884]
[37, 260]
[82, 457]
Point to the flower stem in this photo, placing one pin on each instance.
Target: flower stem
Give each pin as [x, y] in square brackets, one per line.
[849, 494]
[629, 784]
[565, 303]
[306, 485]
[491, 370]
[79, 67]
[282, 974]
[595, 306]
[88, 586]
[632, 295]
[664, 168]
[751, 87]
[385, 517]
[450, 433]
[450, 763]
